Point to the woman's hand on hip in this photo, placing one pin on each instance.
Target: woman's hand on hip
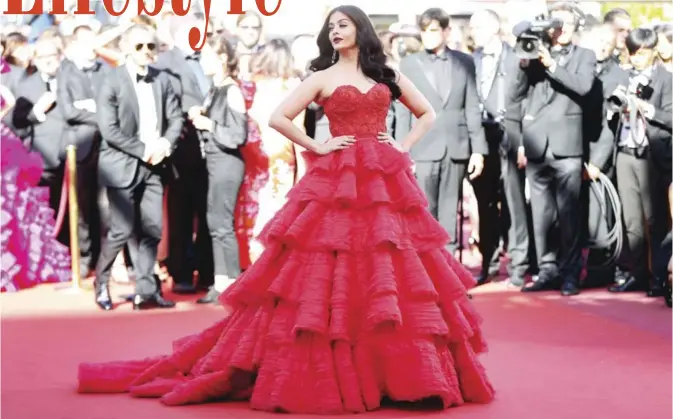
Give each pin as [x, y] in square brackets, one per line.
[335, 143]
[384, 137]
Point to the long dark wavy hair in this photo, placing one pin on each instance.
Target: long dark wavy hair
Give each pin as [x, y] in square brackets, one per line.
[371, 58]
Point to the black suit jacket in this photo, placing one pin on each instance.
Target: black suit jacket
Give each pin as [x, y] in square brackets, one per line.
[45, 137]
[499, 95]
[552, 104]
[457, 131]
[121, 150]
[599, 127]
[230, 128]
[659, 127]
[82, 126]
[186, 85]
[183, 80]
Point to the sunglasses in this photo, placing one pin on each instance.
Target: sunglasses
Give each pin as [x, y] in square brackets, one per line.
[151, 46]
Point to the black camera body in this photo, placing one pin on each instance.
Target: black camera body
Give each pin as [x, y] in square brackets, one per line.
[531, 35]
[639, 87]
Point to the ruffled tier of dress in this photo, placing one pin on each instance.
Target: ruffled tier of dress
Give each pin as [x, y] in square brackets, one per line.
[354, 299]
[30, 254]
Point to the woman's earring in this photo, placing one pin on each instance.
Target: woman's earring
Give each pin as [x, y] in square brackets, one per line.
[334, 56]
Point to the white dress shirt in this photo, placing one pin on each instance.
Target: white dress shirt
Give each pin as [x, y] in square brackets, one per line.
[148, 125]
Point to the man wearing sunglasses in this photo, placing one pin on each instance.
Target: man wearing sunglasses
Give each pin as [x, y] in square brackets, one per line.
[140, 121]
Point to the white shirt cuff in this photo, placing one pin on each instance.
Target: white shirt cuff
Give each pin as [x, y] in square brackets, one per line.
[39, 115]
[164, 144]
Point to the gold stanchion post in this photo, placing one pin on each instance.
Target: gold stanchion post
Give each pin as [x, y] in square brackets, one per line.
[73, 217]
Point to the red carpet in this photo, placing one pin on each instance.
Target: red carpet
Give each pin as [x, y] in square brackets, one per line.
[597, 356]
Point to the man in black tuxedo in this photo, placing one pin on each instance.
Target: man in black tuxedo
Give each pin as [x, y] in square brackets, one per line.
[188, 186]
[554, 87]
[599, 126]
[39, 117]
[644, 162]
[456, 143]
[140, 121]
[496, 68]
[79, 78]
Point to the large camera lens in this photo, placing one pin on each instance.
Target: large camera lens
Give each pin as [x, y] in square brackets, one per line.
[528, 46]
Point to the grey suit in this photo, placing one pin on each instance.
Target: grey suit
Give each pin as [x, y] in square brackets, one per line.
[441, 156]
[134, 188]
[502, 126]
[554, 144]
[643, 178]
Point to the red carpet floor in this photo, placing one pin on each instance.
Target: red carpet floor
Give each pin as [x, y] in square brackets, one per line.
[597, 356]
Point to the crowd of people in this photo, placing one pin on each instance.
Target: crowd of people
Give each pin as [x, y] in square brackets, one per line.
[179, 170]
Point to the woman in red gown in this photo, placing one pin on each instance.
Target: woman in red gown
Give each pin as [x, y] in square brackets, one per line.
[355, 297]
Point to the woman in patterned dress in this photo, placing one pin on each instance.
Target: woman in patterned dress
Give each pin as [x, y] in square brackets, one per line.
[273, 164]
[29, 252]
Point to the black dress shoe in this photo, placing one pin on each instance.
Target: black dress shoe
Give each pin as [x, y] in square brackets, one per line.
[544, 282]
[629, 284]
[154, 301]
[568, 289]
[212, 297]
[103, 300]
[184, 289]
[656, 292]
[481, 280]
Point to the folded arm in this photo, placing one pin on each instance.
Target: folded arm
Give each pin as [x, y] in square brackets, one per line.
[66, 101]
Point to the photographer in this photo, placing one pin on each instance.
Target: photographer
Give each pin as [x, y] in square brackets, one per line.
[643, 159]
[553, 87]
[600, 123]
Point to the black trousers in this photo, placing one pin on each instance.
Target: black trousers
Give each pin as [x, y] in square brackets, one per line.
[225, 176]
[599, 219]
[134, 211]
[487, 192]
[52, 179]
[187, 204]
[441, 181]
[555, 186]
[89, 223]
[643, 190]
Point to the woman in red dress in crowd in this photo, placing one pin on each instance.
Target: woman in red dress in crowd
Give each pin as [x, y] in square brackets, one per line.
[355, 297]
[29, 252]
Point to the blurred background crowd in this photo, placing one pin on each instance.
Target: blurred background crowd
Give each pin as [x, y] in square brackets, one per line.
[267, 57]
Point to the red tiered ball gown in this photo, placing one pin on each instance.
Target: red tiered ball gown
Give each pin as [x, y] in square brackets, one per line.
[354, 299]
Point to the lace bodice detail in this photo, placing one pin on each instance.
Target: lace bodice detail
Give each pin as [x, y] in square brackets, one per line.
[351, 112]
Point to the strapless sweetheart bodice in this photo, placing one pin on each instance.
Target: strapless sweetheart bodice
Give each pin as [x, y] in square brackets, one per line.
[352, 112]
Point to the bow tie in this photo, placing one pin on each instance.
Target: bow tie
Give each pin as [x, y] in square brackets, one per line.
[441, 56]
[560, 51]
[196, 56]
[91, 68]
[146, 78]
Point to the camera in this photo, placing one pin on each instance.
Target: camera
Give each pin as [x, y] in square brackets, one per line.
[639, 87]
[531, 35]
